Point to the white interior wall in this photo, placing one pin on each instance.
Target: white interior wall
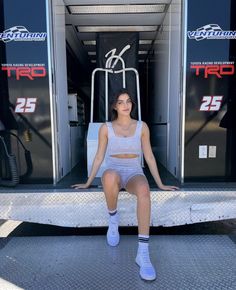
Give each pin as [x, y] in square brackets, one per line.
[160, 98]
[167, 88]
[175, 73]
[60, 87]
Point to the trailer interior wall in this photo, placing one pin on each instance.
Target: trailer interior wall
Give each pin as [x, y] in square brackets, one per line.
[66, 136]
[59, 106]
[165, 100]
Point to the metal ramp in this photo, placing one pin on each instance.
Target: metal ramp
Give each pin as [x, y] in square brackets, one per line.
[87, 208]
[182, 262]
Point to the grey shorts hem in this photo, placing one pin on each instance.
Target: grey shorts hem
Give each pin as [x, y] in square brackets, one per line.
[124, 176]
[131, 176]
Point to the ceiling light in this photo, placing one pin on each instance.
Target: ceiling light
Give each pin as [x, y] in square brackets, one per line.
[93, 61]
[143, 52]
[91, 52]
[93, 42]
[116, 9]
[89, 42]
[116, 28]
[145, 41]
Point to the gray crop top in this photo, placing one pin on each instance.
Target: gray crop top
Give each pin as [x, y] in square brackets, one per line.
[124, 145]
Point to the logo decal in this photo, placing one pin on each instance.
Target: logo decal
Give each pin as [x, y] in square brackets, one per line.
[28, 71]
[25, 105]
[112, 52]
[211, 31]
[211, 103]
[219, 69]
[20, 33]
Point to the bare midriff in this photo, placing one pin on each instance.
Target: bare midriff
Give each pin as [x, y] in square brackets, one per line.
[125, 155]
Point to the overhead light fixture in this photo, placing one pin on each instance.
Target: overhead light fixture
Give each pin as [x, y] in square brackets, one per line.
[143, 52]
[117, 28]
[142, 42]
[93, 61]
[116, 9]
[91, 52]
[89, 42]
[145, 41]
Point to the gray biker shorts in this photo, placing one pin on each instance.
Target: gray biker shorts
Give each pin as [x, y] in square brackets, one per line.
[125, 168]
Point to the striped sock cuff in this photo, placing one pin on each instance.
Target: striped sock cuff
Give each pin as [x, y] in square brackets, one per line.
[112, 212]
[143, 239]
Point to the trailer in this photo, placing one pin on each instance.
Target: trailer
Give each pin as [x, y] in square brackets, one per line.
[185, 58]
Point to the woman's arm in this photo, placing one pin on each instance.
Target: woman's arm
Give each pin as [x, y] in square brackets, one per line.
[150, 159]
[102, 145]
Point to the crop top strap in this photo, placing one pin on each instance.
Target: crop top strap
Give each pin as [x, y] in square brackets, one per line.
[139, 128]
[110, 129]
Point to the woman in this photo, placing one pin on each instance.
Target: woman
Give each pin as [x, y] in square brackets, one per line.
[124, 139]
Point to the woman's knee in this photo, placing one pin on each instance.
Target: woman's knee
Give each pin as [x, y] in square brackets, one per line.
[143, 190]
[110, 177]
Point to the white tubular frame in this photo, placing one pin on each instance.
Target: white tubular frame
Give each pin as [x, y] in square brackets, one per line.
[107, 71]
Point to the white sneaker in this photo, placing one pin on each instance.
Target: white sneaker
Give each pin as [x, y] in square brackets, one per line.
[147, 271]
[113, 236]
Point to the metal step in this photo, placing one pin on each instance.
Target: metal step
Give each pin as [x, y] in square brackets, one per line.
[87, 208]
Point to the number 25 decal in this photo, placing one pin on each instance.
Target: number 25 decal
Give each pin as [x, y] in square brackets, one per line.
[25, 105]
[211, 103]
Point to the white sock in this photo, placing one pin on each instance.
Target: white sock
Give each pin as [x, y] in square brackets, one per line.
[114, 217]
[143, 242]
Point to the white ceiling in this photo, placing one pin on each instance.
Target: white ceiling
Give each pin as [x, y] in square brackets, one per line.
[75, 21]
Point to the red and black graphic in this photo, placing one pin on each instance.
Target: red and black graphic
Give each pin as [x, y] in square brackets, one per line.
[217, 69]
[24, 91]
[24, 71]
[210, 115]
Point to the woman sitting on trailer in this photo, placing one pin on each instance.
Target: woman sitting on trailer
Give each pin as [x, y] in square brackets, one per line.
[125, 139]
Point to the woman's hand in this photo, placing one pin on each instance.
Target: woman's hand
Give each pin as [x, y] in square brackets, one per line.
[80, 186]
[168, 187]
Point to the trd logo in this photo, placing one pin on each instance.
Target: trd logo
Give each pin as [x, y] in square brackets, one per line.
[218, 70]
[25, 71]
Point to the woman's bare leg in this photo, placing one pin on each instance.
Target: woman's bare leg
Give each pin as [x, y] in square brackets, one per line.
[139, 186]
[111, 187]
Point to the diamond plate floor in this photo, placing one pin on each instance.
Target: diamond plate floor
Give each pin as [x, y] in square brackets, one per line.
[86, 262]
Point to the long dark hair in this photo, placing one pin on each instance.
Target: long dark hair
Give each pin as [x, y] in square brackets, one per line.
[114, 114]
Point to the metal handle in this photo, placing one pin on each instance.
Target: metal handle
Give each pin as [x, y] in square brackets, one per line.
[92, 88]
[107, 71]
[137, 87]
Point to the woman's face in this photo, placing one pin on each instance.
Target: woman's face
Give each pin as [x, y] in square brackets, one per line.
[123, 105]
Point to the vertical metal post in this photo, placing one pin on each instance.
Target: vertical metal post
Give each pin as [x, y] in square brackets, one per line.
[92, 95]
[92, 89]
[137, 87]
[138, 95]
[106, 95]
